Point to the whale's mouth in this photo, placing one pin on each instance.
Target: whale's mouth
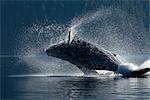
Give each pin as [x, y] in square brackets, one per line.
[50, 51]
[53, 51]
[58, 50]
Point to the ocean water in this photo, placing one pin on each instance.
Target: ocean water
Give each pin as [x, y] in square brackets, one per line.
[73, 85]
[40, 87]
[28, 28]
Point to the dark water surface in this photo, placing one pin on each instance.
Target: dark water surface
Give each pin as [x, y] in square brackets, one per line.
[125, 21]
[78, 88]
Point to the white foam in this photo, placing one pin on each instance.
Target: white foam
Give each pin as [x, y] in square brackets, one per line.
[98, 27]
[146, 64]
[126, 68]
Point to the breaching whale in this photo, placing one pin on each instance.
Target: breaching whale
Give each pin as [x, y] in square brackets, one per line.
[88, 58]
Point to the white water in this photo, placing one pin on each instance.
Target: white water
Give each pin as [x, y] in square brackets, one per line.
[109, 28]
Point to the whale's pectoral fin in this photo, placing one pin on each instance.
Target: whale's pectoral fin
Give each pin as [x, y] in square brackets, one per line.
[140, 72]
[87, 71]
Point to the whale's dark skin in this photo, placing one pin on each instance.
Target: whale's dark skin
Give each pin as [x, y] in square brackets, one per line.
[84, 55]
[88, 57]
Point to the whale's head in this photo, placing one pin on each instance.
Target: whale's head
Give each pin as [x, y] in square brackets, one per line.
[59, 50]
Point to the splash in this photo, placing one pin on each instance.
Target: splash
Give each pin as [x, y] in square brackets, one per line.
[114, 30]
[32, 45]
[110, 28]
[146, 64]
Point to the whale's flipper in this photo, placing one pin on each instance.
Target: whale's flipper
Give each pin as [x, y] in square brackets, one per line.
[87, 71]
[140, 72]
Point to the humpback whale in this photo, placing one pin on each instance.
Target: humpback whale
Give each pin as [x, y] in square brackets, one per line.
[88, 58]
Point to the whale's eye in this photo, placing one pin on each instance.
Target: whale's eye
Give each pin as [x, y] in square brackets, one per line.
[114, 54]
